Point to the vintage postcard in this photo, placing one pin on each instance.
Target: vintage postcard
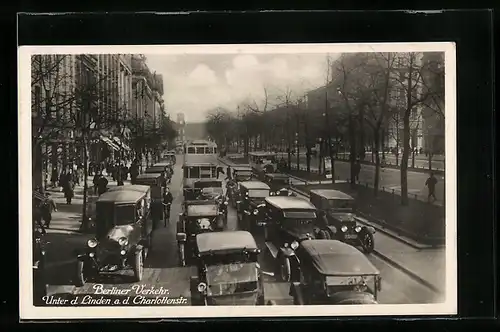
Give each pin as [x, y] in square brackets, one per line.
[213, 180]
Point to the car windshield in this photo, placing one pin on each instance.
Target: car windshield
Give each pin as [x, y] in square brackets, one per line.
[340, 204]
[125, 215]
[256, 193]
[231, 278]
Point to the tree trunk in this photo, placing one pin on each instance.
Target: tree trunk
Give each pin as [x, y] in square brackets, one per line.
[85, 219]
[361, 145]
[352, 154]
[405, 158]
[382, 145]
[376, 144]
[308, 146]
[37, 164]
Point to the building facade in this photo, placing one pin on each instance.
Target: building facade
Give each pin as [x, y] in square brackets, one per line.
[78, 98]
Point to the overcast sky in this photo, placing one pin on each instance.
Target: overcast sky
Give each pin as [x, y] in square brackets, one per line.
[195, 83]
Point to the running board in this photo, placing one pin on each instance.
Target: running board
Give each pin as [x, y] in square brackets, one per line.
[272, 249]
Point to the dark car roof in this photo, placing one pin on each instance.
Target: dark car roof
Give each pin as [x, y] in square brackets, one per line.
[133, 187]
[121, 197]
[200, 160]
[332, 257]
[331, 194]
[254, 185]
[148, 176]
[230, 240]
[277, 176]
[155, 169]
[290, 203]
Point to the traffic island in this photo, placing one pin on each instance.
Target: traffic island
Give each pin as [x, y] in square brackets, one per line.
[419, 221]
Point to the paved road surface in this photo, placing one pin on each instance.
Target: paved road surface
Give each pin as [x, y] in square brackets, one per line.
[161, 268]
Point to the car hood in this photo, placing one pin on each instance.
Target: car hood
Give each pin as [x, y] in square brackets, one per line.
[118, 232]
[256, 201]
[303, 232]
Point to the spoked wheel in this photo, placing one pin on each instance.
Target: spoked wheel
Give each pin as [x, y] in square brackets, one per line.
[285, 270]
[138, 265]
[368, 243]
[81, 275]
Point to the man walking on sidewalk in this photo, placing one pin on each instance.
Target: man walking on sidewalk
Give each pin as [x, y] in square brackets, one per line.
[431, 184]
[357, 170]
[47, 207]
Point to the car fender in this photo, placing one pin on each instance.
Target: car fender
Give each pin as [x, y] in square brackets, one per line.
[287, 252]
[332, 229]
[138, 247]
[369, 229]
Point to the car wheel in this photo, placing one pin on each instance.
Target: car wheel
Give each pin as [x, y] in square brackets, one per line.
[368, 243]
[285, 270]
[324, 235]
[81, 276]
[138, 265]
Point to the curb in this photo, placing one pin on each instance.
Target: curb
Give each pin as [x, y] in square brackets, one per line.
[410, 273]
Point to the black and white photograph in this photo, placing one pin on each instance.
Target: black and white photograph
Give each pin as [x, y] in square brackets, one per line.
[211, 180]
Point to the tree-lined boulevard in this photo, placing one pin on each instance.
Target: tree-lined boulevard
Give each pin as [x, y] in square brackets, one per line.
[162, 269]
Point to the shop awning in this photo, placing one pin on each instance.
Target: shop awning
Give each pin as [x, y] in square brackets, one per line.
[110, 143]
[120, 143]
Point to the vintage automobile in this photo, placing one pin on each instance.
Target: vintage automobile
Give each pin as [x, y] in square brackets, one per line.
[156, 169]
[339, 210]
[124, 231]
[288, 221]
[207, 189]
[333, 272]
[168, 166]
[196, 167]
[251, 202]
[228, 272]
[277, 181]
[154, 181]
[241, 173]
[198, 217]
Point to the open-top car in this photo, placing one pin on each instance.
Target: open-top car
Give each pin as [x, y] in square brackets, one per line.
[227, 270]
[277, 181]
[124, 231]
[251, 203]
[289, 221]
[333, 272]
[338, 218]
[198, 217]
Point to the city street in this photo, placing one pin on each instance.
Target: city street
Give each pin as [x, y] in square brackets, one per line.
[161, 267]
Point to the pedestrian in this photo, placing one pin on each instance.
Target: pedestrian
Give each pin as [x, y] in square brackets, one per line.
[167, 203]
[228, 173]
[102, 185]
[69, 189]
[134, 171]
[431, 184]
[46, 210]
[163, 179]
[54, 177]
[62, 180]
[357, 170]
[219, 171]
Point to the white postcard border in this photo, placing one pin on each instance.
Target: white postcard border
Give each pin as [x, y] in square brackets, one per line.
[28, 311]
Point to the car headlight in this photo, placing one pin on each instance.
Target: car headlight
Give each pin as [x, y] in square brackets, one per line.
[92, 243]
[255, 212]
[123, 241]
[202, 287]
[277, 193]
[285, 245]
[343, 229]
[225, 202]
[294, 245]
[358, 229]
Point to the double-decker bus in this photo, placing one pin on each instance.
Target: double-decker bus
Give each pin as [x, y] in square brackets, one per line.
[200, 147]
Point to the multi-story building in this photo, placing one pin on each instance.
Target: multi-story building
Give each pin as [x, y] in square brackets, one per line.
[75, 97]
[181, 130]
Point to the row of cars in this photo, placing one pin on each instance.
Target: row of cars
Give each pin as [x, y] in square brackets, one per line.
[311, 253]
[124, 220]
